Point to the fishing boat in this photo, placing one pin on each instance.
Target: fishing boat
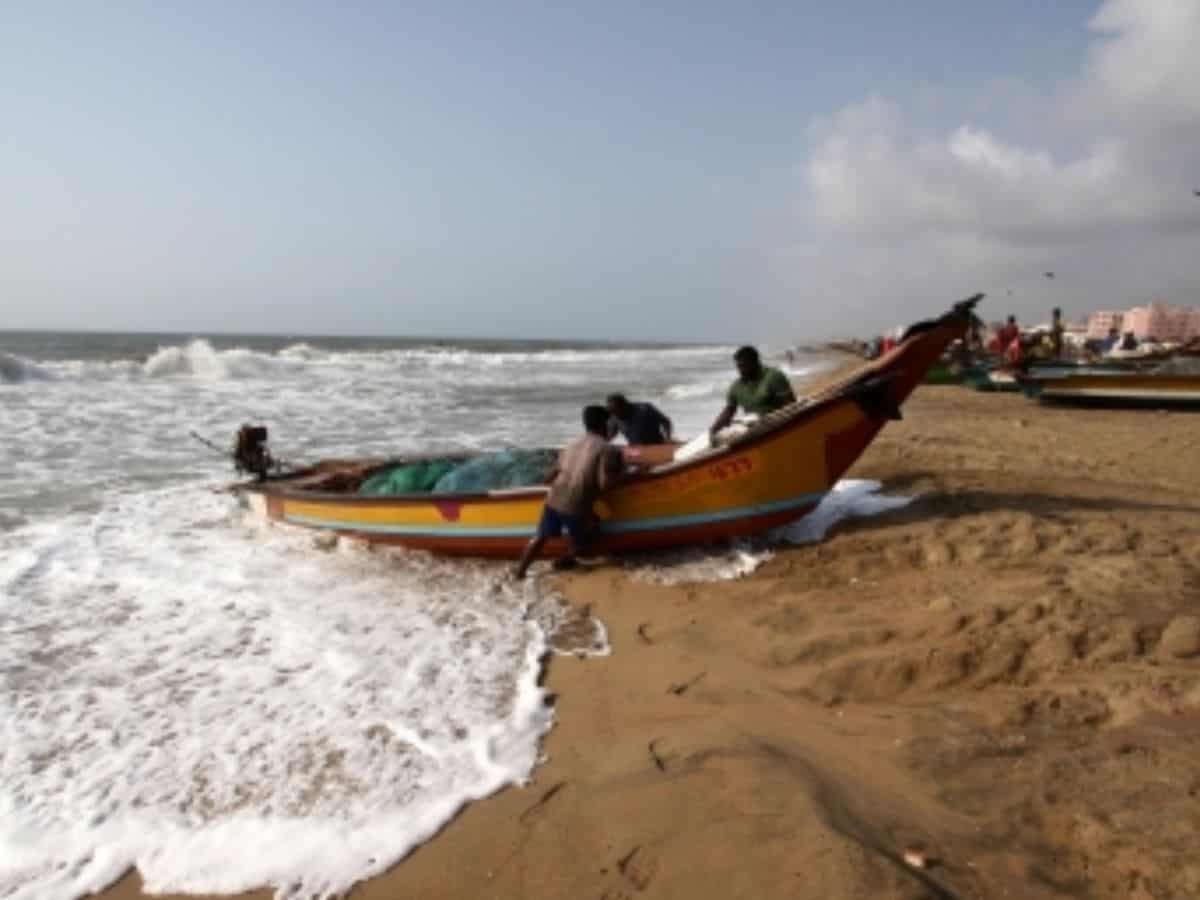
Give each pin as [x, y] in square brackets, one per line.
[775, 471]
[1159, 389]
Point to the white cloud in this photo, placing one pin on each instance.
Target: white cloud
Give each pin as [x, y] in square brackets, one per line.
[1146, 62]
[870, 174]
[888, 201]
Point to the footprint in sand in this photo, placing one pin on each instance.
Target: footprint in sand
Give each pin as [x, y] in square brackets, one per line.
[639, 868]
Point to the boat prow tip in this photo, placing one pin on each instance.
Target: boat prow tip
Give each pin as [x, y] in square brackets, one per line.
[968, 304]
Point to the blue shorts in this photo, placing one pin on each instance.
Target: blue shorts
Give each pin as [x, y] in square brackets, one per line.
[554, 523]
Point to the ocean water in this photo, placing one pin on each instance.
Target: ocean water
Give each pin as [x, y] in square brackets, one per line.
[227, 704]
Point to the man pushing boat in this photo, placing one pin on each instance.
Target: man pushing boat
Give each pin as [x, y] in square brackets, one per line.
[586, 466]
[639, 423]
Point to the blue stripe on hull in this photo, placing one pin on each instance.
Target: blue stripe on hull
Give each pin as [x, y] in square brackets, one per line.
[666, 522]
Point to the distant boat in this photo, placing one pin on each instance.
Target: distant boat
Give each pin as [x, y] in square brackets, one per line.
[776, 471]
[1097, 386]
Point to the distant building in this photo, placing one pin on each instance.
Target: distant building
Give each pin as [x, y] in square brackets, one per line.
[1100, 323]
[1169, 324]
[1163, 322]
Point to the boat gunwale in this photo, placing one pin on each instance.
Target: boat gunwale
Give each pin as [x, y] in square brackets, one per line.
[803, 414]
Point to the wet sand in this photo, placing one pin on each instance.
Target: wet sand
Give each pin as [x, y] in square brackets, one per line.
[1002, 679]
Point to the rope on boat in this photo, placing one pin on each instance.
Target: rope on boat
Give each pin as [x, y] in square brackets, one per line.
[227, 454]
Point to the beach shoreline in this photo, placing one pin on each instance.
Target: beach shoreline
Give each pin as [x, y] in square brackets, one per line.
[995, 689]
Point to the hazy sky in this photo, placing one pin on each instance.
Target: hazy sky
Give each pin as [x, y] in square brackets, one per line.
[689, 171]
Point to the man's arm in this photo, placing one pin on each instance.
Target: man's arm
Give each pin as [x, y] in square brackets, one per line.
[612, 464]
[724, 418]
[555, 469]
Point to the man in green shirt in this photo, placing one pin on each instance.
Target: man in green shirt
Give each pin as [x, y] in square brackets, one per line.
[759, 389]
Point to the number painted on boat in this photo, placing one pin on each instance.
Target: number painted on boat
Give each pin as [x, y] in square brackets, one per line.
[722, 471]
[731, 468]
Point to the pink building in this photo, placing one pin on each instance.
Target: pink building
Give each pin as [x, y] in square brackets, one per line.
[1173, 324]
[1099, 324]
[1163, 323]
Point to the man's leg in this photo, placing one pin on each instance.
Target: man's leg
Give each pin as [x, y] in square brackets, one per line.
[571, 559]
[576, 528]
[532, 549]
[549, 525]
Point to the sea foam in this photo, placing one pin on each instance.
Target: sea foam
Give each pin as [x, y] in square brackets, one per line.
[288, 717]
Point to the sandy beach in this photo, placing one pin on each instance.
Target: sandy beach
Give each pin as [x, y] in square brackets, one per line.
[992, 692]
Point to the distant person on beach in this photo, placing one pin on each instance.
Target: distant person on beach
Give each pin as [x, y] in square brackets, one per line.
[1008, 333]
[759, 389]
[1014, 354]
[640, 423]
[1056, 332]
[1110, 343]
[1129, 342]
[585, 467]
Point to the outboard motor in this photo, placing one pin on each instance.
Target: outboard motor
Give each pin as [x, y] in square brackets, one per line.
[250, 453]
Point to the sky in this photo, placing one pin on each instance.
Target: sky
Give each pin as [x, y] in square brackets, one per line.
[690, 171]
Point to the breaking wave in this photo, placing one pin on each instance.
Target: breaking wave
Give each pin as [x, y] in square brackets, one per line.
[199, 359]
[810, 370]
[17, 369]
[302, 351]
[697, 389]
